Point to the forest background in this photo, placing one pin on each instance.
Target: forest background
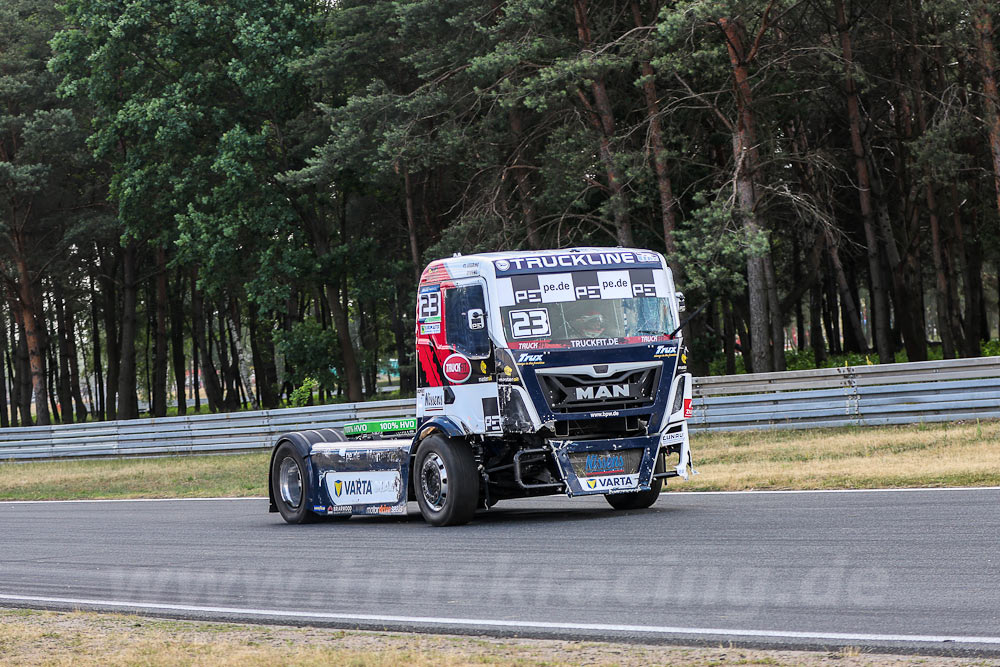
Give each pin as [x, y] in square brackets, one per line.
[239, 195]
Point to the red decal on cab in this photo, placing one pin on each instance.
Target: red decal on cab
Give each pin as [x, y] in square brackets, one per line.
[457, 368]
[688, 410]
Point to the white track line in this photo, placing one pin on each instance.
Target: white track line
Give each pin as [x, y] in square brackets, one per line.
[672, 493]
[516, 625]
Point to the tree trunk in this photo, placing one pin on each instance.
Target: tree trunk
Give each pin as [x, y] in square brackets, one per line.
[656, 146]
[342, 325]
[411, 226]
[602, 118]
[4, 347]
[128, 406]
[95, 333]
[74, 367]
[64, 335]
[747, 161]
[262, 351]
[522, 179]
[159, 389]
[849, 309]
[176, 302]
[213, 390]
[23, 371]
[982, 22]
[880, 303]
[816, 324]
[30, 318]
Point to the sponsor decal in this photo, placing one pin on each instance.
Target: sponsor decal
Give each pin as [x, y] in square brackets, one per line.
[594, 342]
[482, 367]
[575, 260]
[433, 399]
[606, 413]
[665, 351]
[385, 509]
[602, 391]
[429, 328]
[669, 438]
[604, 464]
[360, 428]
[457, 368]
[319, 508]
[609, 483]
[429, 305]
[529, 359]
[491, 414]
[356, 488]
[688, 410]
[340, 509]
[529, 323]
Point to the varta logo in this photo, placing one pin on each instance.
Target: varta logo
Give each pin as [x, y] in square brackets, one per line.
[603, 391]
[592, 483]
[354, 487]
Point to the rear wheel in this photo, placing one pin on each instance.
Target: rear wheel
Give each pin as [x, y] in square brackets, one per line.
[445, 481]
[290, 485]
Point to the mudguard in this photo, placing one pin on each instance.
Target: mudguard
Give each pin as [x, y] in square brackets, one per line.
[446, 425]
[302, 441]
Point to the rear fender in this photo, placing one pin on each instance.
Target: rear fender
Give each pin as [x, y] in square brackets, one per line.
[303, 442]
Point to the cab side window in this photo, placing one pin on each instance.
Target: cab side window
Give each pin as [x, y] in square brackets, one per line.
[465, 320]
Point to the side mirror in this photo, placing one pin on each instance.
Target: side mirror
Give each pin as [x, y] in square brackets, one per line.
[681, 303]
[477, 319]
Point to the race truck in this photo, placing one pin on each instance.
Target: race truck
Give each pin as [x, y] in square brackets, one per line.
[538, 373]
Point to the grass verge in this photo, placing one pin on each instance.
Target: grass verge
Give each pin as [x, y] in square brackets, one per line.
[963, 454]
[82, 639]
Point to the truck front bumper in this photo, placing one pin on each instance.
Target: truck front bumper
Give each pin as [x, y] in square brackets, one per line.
[621, 465]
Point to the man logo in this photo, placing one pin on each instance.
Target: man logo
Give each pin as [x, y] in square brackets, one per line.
[604, 391]
[503, 264]
[592, 483]
[338, 487]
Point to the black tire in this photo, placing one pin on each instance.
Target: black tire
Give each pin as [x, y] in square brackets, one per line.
[445, 481]
[638, 500]
[286, 464]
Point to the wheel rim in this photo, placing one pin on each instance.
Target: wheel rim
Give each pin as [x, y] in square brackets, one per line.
[290, 482]
[434, 482]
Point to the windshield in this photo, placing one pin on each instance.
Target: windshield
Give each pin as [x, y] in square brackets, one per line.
[585, 309]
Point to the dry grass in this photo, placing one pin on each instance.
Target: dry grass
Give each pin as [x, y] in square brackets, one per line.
[965, 454]
[161, 477]
[87, 639]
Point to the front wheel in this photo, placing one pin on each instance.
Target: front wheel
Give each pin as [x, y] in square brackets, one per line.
[638, 500]
[445, 481]
[290, 485]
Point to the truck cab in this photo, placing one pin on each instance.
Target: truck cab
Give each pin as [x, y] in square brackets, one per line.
[538, 372]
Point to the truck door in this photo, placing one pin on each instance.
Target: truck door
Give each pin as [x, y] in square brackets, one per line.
[468, 383]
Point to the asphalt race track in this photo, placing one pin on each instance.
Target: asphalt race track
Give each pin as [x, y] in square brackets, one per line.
[908, 570]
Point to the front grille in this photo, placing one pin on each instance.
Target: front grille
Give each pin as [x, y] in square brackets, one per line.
[585, 393]
[594, 464]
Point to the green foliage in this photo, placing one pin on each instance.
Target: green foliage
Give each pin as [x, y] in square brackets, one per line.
[303, 394]
[310, 352]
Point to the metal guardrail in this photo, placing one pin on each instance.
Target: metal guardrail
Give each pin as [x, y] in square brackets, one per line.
[931, 391]
[910, 393]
